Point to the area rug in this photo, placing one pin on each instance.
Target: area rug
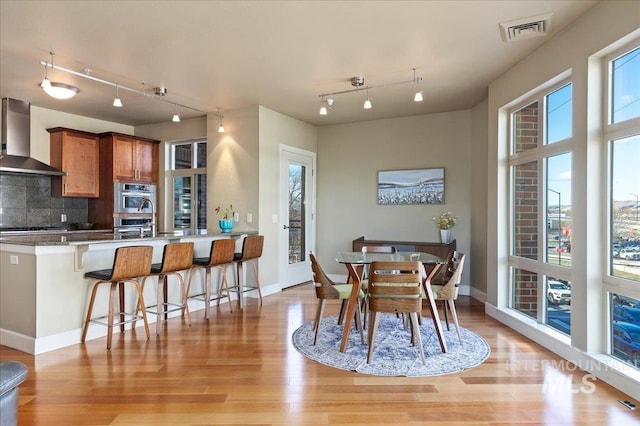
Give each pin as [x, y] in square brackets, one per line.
[393, 353]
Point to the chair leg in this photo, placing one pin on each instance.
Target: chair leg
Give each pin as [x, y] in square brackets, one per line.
[255, 273]
[185, 306]
[416, 333]
[90, 311]
[111, 313]
[121, 302]
[359, 326]
[161, 308]
[446, 317]
[207, 292]
[343, 310]
[316, 324]
[225, 283]
[452, 307]
[373, 328]
[239, 282]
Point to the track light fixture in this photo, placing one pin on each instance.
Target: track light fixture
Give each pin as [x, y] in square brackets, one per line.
[367, 103]
[358, 83]
[176, 117]
[220, 127]
[116, 101]
[56, 90]
[64, 91]
[418, 95]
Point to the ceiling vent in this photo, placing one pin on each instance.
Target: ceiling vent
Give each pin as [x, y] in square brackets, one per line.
[520, 29]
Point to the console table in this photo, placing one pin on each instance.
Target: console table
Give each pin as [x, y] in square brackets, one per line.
[438, 249]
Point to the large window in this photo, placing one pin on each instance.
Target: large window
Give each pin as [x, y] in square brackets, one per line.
[188, 174]
[540, 166]
[622, 136]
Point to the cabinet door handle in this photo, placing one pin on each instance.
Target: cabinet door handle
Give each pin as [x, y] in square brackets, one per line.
[64, 189]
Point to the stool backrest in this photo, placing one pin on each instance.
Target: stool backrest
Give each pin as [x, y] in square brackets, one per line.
[252, 247]
[222, 251]
[132, 262]
[177, 257]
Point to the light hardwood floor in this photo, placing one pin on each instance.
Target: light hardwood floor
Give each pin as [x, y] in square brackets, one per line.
[241, 368]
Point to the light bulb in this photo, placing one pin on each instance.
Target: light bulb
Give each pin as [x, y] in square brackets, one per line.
[117, 102]
[418, 97]
[176, 118]
[323, 110]
[221, 128]
[46, 84]
[367, 104]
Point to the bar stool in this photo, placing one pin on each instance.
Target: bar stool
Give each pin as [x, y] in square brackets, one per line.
[251, 252]
[176, 257]
[129, 264]
[220, 256]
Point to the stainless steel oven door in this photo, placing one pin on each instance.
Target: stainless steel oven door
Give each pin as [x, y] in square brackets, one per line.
[130, 202]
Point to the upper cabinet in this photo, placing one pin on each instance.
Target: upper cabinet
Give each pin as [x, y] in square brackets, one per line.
[134, 159]
[77, 154]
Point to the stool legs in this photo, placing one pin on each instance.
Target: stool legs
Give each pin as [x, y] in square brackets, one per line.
[239, 282]
[113, 287]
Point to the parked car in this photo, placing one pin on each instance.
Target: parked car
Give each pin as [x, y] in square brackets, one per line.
[558, 292]
[626, 341]
[630, 253]
[627, 314]
[615, 249]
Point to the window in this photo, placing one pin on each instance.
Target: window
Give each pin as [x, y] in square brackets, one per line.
[189, 185]
[622, 139]
[540, 168]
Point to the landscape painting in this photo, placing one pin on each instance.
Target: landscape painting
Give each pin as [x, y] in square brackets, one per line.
[419, 186]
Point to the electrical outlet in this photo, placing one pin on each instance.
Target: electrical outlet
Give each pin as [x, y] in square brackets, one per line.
[249, 218]
[63, 218]
[236, 217]
[274, 218]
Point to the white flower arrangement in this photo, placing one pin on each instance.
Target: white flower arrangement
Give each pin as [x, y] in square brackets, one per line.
[445, 220]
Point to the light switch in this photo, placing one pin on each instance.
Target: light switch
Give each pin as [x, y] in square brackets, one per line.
[274, 218]
[236, 217]
[249, 218]
[13, 259]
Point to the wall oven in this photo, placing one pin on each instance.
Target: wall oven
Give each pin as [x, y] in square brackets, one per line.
[128, 198]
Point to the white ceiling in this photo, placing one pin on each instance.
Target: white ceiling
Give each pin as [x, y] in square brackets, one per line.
[279, 54]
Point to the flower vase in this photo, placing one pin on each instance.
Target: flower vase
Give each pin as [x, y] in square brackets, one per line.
[226, 225]
[445, 236]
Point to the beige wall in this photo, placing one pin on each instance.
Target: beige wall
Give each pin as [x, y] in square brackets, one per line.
[478, 198]
[349, 157]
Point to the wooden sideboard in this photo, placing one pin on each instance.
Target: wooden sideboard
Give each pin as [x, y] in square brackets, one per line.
[437, 249]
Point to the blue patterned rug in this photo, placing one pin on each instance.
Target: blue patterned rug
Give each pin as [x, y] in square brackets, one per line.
[393, 353]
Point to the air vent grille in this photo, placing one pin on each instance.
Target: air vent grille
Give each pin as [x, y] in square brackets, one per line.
[520, 29]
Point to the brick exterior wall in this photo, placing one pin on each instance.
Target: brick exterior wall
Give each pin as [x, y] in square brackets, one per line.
[525, 210]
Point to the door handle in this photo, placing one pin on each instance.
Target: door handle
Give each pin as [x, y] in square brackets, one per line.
[285, 226]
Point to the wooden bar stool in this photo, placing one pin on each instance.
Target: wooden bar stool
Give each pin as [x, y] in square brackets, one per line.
[251, 252]
[176, 257]
[220, 256]
[129, 264]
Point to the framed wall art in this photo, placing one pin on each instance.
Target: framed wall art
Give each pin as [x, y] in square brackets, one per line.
[417, 186]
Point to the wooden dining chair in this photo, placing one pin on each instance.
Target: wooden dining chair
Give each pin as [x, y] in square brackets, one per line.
[395, 287]
[326, 289]
[445, 287]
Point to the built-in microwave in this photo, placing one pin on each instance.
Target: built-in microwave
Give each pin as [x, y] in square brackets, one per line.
[134, 198]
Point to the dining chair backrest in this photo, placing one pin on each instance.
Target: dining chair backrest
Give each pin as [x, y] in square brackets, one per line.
[395, 286]
[322, 283]
[177, 257]
[450, 289]
[221, 251]
[131, 262]
[379, 249]
[252, 247]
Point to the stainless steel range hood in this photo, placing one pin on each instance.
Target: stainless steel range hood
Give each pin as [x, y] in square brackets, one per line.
[16, 141]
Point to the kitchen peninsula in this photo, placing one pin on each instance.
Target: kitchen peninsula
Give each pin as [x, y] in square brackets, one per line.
[43, 292]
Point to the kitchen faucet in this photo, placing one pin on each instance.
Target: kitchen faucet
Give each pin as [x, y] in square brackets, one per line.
[153, 214]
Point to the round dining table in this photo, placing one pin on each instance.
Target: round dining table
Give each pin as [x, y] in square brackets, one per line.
[356, 262]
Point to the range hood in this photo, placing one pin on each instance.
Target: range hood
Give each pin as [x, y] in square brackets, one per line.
[16, 141]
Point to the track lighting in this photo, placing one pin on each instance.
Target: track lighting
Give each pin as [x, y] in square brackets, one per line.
[418, 96]
[56, 90]
[220, 127]
[358, 83]
[367, 103]
[323, 109]
[176, 117]
[116, 101]
[64, 91]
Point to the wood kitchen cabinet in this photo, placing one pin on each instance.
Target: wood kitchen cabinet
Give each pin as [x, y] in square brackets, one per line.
[133, 159]
[77, 153]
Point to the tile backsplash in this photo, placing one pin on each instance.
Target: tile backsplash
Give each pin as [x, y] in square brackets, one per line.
[25, 200]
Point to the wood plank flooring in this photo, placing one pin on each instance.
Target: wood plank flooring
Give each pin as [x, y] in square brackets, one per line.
[241, 369]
